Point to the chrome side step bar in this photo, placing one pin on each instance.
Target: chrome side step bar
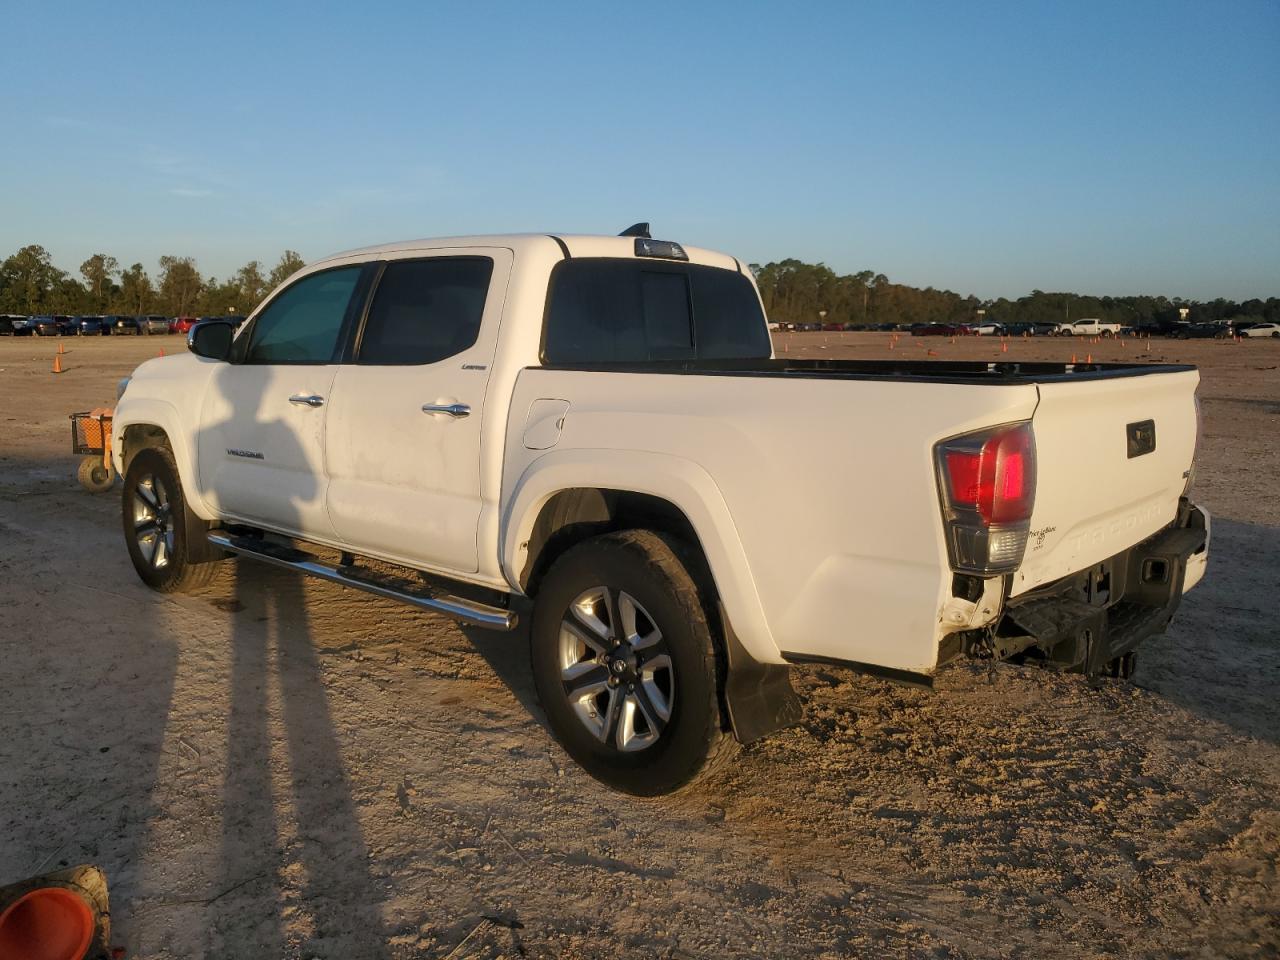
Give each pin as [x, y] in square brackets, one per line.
[392, 588]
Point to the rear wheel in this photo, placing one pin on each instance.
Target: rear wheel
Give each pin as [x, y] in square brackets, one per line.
[625, 664]
[156, 524]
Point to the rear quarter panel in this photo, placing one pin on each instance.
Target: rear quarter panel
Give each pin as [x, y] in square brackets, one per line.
[830, 538]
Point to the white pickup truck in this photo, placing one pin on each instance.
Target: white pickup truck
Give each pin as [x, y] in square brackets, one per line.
[1088, 328]
[593, 433]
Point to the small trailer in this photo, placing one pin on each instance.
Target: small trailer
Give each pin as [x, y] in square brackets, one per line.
[91, 439]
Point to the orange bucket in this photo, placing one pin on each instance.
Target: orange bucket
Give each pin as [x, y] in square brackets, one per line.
[48, 923]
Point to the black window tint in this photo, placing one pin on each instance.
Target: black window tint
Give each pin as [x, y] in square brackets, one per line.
[624, 311]
[594, 314]
[668, 327]
[301, 325]
[426, 310]
[728, 317]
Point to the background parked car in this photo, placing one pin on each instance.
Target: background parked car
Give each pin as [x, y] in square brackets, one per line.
[989, 329]
[941, 330]
[118, 325]
[47, 326]
[9, 324]
[1198, 331]
[88, 326]
[232, 319]
[182, 324]
[1018, 329]
[152, 323]
[1262, 330]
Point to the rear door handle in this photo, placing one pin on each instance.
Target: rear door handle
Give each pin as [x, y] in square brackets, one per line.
[452, 409]
[307, 400]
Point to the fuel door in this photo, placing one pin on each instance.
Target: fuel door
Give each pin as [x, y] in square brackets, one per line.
[544, 424]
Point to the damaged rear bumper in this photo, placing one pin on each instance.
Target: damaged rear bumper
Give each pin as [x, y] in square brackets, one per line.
[1089, 622]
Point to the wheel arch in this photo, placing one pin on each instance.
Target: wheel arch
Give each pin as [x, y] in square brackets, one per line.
[152, 423]
[565, 497]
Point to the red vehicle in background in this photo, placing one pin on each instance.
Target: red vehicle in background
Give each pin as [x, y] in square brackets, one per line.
[181, 324]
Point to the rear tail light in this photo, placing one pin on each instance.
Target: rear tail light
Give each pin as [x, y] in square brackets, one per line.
[987, 482]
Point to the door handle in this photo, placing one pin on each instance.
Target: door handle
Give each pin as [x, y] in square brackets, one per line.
[456, 410]
[307, 400]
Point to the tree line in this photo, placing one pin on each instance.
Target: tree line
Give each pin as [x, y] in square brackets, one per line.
[793, 291]
[30, 284]
[797, 292]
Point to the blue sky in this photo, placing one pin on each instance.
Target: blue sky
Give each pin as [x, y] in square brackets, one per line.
[994, 148]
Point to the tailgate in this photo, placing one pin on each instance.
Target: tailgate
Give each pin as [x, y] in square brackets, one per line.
[1112, 457]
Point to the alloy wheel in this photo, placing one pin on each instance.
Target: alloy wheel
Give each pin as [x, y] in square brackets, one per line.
[616, 670]
[153, 523]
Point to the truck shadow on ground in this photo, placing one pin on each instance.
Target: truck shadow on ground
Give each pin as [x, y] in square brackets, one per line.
[507, 655]
[1221, 656]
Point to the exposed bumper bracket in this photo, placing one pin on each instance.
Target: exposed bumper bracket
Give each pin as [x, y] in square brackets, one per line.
[1144, 588]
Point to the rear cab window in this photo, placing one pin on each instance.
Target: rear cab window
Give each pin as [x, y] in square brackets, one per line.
[606, 310]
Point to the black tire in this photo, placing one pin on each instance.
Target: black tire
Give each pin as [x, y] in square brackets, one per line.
[642, 571]
[153, 492]
[93, 475]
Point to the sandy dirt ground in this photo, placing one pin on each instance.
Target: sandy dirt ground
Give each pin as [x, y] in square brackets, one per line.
[281, 768]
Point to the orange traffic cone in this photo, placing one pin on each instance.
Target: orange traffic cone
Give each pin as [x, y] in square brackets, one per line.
[1004, 347]
[57, 363]
[1088, 358]
[891, 343]
[161, 353]
[62, 348]
[1073, 358]
[930, 353]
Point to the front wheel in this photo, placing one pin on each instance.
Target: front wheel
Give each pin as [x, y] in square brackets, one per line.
[156, 524]
[625, 664]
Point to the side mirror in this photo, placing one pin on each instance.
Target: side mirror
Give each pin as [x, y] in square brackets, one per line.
[211, 339]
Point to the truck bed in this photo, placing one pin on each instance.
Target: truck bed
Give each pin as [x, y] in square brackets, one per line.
[826, 473]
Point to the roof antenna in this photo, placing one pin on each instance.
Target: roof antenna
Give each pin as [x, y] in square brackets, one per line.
[637, 230]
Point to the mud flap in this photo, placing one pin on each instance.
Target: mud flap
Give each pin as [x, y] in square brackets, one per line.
[758, 696]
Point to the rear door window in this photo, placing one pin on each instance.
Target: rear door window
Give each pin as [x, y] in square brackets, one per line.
[624, 311]
[424, 311]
